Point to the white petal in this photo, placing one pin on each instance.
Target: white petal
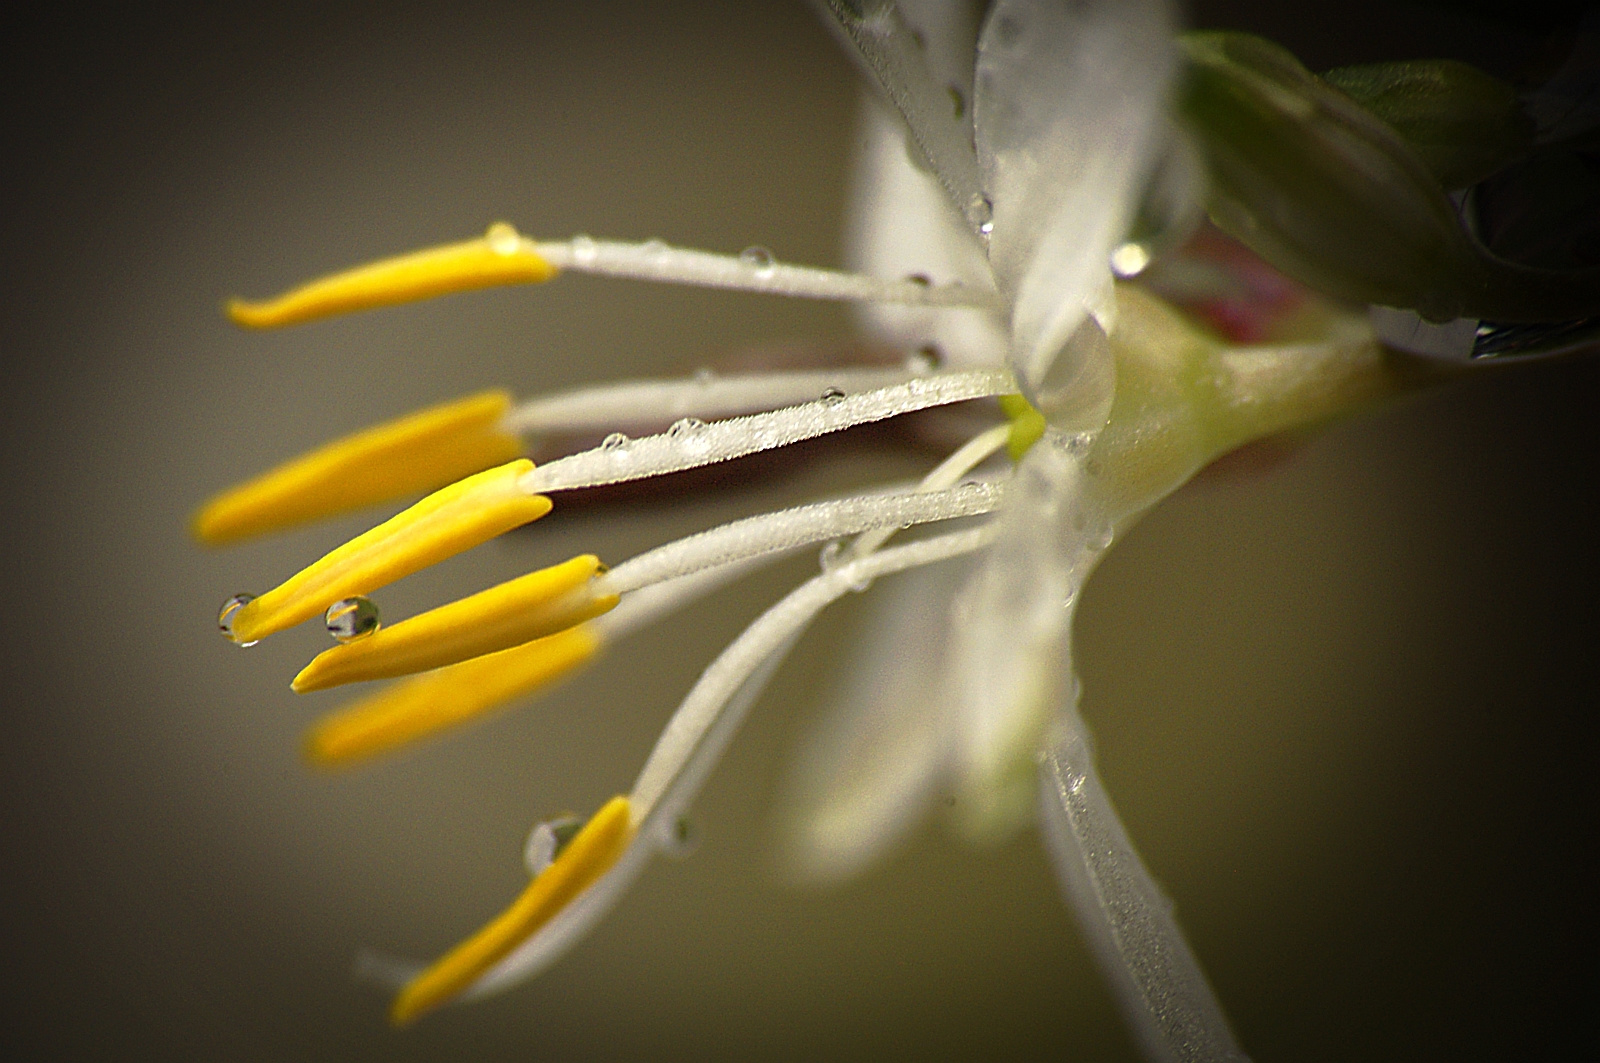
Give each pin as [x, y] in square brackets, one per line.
[901, 224]
[1069, 114]
[1009, 665]
[870, 769]
[1159, 986]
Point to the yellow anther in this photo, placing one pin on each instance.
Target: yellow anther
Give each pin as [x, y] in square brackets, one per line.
[517, 611]
[442, 525]
[405, 712]
[498, 257]
[590, 854]
[422, 451]
[1027, 425]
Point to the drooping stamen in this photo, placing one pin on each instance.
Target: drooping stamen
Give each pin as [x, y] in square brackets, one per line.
[799, 526]
[708, 397]
[517, 611]
[498, 257]
[405, 712]
[753, 271]
[422, 451]
[682, 754]
[620, 459]
[589, 855]
[967, 457]
[442, 525]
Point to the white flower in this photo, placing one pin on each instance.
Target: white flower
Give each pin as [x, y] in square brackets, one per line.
[993, 249]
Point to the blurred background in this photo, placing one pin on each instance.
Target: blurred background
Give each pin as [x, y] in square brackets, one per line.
[1346, 706]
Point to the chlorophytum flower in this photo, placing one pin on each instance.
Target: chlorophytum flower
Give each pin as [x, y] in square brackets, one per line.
[1026, 230]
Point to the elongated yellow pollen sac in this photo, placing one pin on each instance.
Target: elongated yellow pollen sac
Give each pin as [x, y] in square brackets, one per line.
[498, 257]
[1027, 425]
[422, 451]
[405, 712]
[516, 612]
[590, 854]
[442, 525]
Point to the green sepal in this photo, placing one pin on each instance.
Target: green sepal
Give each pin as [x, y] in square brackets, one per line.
[1462, 123]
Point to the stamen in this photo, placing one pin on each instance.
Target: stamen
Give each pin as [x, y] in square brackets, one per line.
[422, 451]
[517, 611]
[589, 855]
[684, 753]
[791, 528]
[402, 713]
[442, 525]
[1027, 425]
[709, 398]
[498, 257]
[621, 459]
[754, 271]
[967, 457]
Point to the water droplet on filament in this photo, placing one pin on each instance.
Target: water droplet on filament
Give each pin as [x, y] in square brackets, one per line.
[832, 397]
[614, 441]
[760, 259]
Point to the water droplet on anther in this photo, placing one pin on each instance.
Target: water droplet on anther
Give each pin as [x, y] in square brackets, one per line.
[351, 619]
[680, 838]
[546, 841]
[614, 441]
[832, 397]
[685, 427]
[759, 258]
[503, 238]
[225, 616]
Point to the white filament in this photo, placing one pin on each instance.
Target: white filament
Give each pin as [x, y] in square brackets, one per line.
[708, 397]
[620, 459]
[969, 456]
[754, 271]
[786, 529]
[682, 756]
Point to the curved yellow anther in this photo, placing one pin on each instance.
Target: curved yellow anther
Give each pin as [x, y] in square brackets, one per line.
[442, 525]
[1027, 425]
[422, 451]
[516, 612]
[590, 854]
[498, 257]
[407, 711]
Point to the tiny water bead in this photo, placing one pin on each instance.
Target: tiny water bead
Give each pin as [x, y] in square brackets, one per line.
[503, 238]
[923, 360]
[226, 614]
[980, 212]
[832, 397]
[584, 251]
[1130, 259]
[705, 375]
[352, 619]
[921, 280]
[614, 441]
[680, 838]
[829, 558]
[546, 841]
[759, 258]
[655, 248]
[685, 427]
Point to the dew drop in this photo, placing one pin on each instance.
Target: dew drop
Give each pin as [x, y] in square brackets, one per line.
[584, 250]
[704, 375]
[980, 212]
[352, 619]
[923, 360]
[503, 238]
[656, 248]
[614, 441]
[680, 838]
[685, 427]
[1100, 538]
[546, 841]
[829, 557]
[1130, 259]
[832, 397]
[225, 616]
[760, 259]
[921, 280]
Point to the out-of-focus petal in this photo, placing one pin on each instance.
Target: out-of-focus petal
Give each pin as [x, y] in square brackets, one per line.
[870, 769]
[902, 224]
[1069, 117]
